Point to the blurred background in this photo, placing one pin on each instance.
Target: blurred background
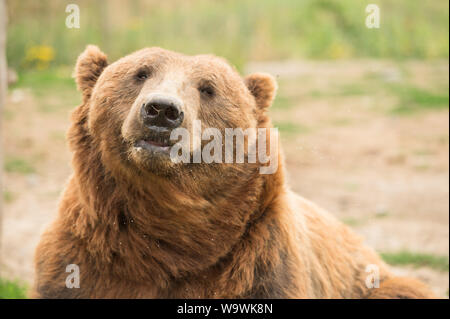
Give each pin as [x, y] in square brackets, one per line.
[363, 112]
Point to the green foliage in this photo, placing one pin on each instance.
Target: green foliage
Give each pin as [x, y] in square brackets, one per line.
[351, 221]
[12, 290]
[282, 102]
[286, 127]
[238, 30]
[18, 165]
[58, 81]
[413, 99]
[404, 258]
[8, 197]
[59, 77]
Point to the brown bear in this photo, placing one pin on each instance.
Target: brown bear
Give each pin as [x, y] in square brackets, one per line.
[138, 225]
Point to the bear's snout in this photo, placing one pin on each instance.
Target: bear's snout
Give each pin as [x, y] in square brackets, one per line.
[162, 111]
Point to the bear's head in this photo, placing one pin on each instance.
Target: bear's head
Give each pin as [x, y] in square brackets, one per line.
[134, 104]
[186, 216]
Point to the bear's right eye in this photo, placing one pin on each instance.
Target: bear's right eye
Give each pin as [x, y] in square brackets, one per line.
[142, 75]
[206, 90]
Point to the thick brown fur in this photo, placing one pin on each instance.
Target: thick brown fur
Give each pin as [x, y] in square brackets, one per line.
[140, 228]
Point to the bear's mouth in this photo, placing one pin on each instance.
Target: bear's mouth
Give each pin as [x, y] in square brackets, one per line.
[156, 142]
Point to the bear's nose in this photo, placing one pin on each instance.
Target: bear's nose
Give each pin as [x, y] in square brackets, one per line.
[162, 111]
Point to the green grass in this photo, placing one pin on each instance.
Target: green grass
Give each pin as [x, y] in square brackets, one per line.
[18, 165]
[414, 99]
[8, 197]
[351, 221]
[60, 77]
[354, 89]
[12, 290]
[238, 30]
[411, 99]
[282, 102]
[341, 122]
[381, 214]
[404, 258]
[57, 80]
[289, 128]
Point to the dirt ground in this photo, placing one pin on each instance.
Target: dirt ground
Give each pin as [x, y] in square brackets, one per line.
[353, 143]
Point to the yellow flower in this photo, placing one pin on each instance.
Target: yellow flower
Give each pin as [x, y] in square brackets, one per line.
[39, 56]
[338, 51]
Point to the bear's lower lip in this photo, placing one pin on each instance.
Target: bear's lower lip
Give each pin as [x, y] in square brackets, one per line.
[152, 146]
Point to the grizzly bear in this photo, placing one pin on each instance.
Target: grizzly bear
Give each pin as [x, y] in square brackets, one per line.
[132, 223]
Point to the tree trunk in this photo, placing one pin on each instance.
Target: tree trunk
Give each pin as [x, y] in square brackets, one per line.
[3, 92]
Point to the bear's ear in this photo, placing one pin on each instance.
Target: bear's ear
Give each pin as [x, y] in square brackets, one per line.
[263, 87]
[90, 65]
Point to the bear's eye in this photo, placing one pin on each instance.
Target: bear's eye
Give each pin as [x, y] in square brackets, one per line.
[206, 90]
[142, 75]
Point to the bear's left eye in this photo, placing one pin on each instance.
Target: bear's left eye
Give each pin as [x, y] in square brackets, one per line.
[142, 75]
[207, 90]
